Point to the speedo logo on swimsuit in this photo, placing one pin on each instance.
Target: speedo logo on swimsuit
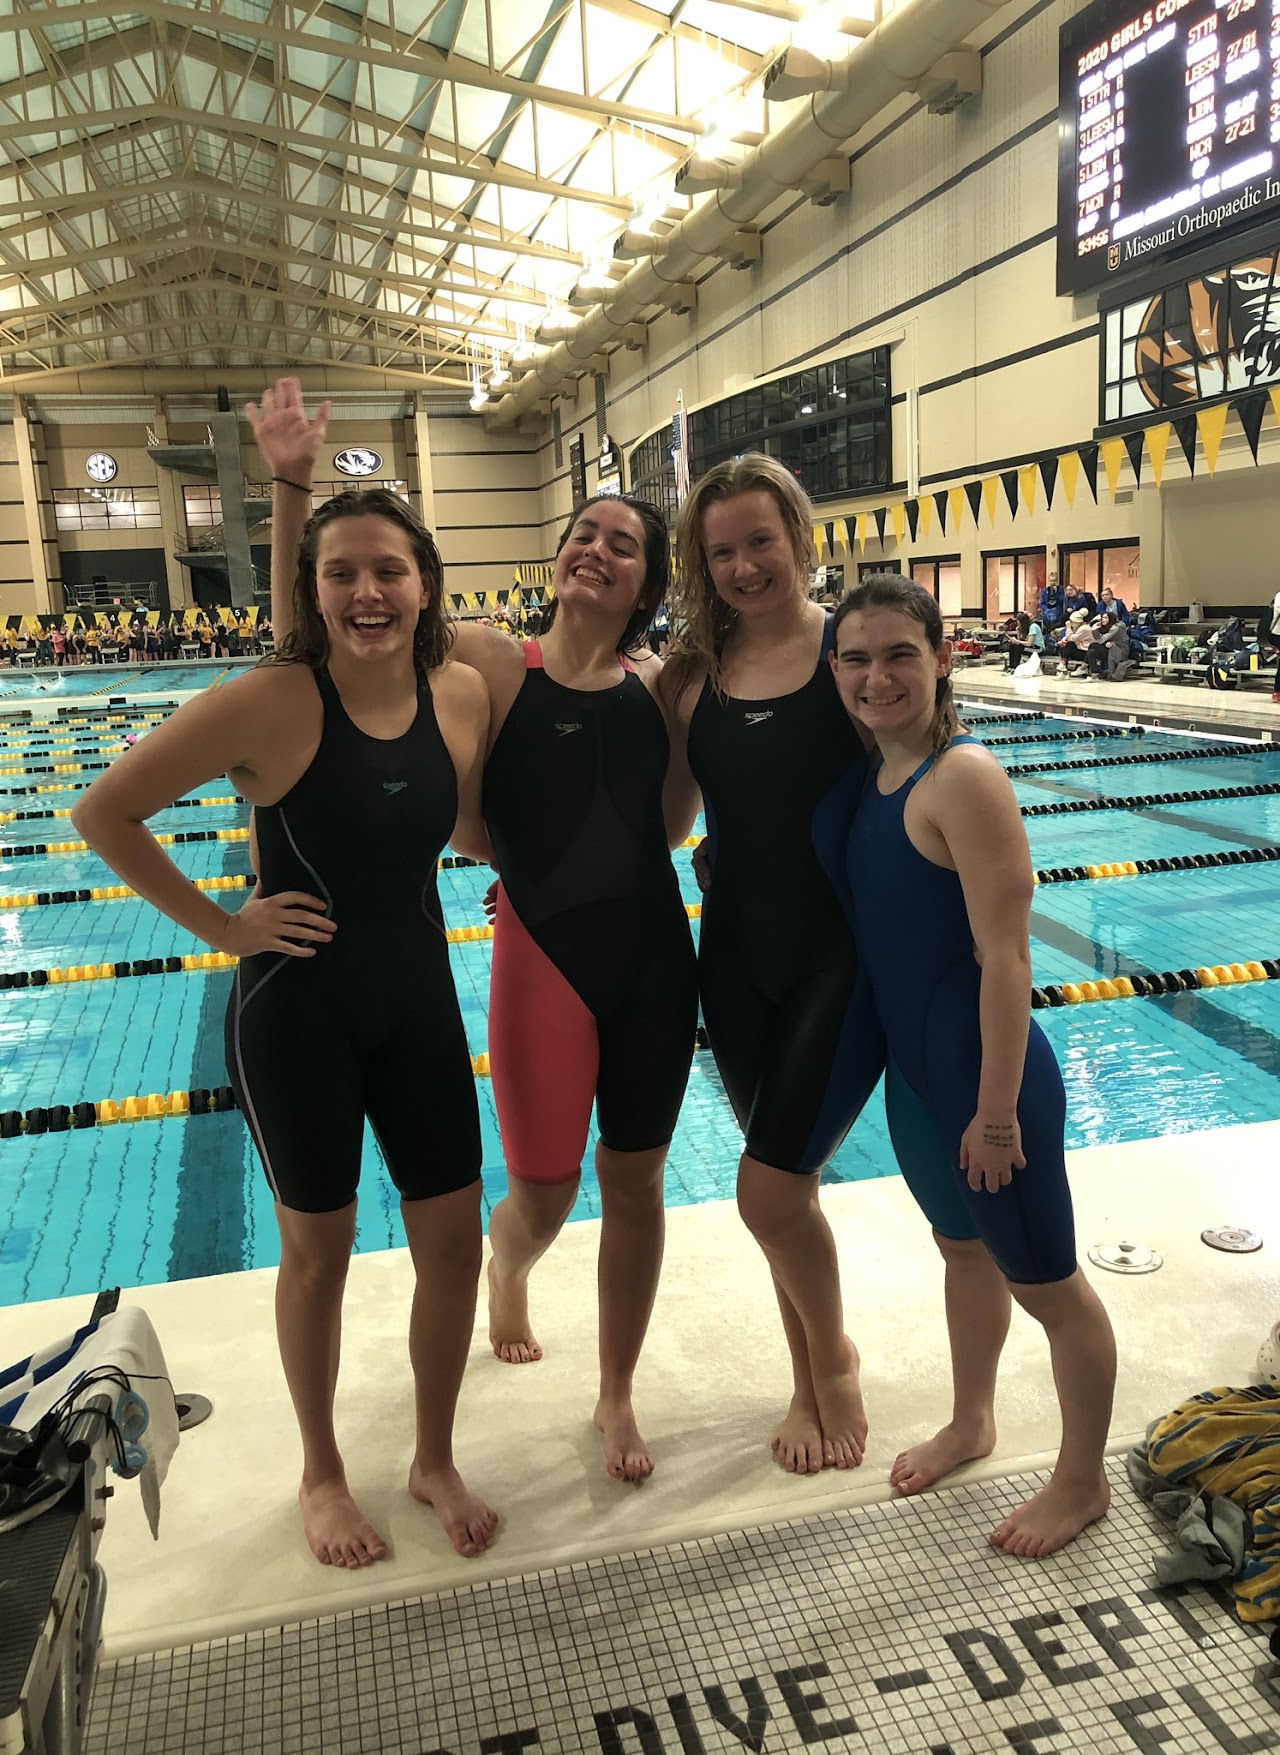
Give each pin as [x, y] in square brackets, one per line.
[394, 785]
[759, 718]
[565, 729]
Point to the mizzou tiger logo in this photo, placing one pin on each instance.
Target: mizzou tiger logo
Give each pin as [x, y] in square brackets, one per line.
[1211, 336]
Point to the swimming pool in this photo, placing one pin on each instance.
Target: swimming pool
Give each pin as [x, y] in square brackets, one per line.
[165, 1199]
[99, 681]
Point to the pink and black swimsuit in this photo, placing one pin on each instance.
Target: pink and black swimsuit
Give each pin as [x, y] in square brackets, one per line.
[594, 986]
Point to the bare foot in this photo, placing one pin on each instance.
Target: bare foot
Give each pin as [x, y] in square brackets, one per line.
[925, 1464]
[336, 1530]
[797, 1444]
[840, 1411]
[626, 1455]
[465, 1518]
[1051, 1518]
[509, 1332]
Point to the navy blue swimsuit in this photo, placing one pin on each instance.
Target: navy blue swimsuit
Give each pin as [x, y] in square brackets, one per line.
[916, 944]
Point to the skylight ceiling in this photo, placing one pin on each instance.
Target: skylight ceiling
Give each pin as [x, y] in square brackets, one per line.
[381, 186]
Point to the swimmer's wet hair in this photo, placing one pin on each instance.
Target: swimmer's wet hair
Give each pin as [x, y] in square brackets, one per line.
[704, 620]
[657, 564]
[308, 640]
[896, 592]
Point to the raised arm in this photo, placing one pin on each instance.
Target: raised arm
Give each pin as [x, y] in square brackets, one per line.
[223, 729]
[972, 805]
[289, 444]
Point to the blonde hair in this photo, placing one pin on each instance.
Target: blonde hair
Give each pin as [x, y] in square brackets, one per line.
[703, 619]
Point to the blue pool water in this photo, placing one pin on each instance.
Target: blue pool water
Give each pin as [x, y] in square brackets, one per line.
[152, 1201]
[98, 681]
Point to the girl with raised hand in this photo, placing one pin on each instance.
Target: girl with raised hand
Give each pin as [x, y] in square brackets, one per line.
[940, 880]
[594, 990]
[359, 745]
[762, 735]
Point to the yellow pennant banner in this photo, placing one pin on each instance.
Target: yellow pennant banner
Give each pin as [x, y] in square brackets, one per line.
[926, 517]
[1028, 475]
[1211, 423]
[955, 509]
[990, 488]
[1111, 455]
[1069, 475]
[860, 532]
[1157, 446]
[840, 531]
[898, 518]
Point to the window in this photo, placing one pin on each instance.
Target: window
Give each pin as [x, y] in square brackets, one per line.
[203, 502]
[107, 508]
[829, 425]
[940, 574]
[1013, 581]
[1090, 566]
[652, 473]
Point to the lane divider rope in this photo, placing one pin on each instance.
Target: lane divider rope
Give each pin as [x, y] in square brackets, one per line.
[62, 1117]
[1000, 743]
[56, 768]
[999, 718]
[1155, 986]
[1242, 752]
[197, 960]
[44, 816]
[1149, 867]
[32, 849]
[1144, 801]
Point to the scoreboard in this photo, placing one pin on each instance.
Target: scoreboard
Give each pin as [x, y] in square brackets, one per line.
[1168, 130]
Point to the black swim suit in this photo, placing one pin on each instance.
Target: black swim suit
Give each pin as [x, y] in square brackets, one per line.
[369, 1026]
[791, 1023]
[594, 986]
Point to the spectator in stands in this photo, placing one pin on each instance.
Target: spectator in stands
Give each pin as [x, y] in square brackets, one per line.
[1108, 656]
[93, 644]
[1078, 598]
[1114, 606]
[1075, 643]
[58, 640]
[1030, 638]
[1052, 609]
[44, 647]
[1267, 634]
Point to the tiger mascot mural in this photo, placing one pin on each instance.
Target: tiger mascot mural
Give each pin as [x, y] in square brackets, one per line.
[1211, 336]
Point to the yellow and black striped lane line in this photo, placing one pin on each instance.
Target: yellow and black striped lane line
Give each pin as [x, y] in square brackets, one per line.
[197, 960]
[46, 816]
[1068, 874]
[1155, 986]
[62, 1117]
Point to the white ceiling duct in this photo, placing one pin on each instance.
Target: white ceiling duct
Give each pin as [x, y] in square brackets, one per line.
[892, 59]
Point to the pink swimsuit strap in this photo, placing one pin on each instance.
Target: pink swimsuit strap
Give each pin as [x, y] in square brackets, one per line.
[533, 658]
